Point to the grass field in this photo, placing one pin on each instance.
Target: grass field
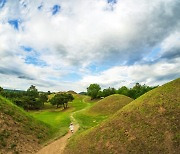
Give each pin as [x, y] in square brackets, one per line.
[59, 119]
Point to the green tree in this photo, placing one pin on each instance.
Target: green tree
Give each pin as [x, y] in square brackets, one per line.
[109, 91]
[93, 90]
[43, 98]
[61, 100]
[139, 90]
[33, 99]
[1, 89]
[123, 90]
[32, 91]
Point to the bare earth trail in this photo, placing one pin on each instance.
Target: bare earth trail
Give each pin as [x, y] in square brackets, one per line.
[58, 146]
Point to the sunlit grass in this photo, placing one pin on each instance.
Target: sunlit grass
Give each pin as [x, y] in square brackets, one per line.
[59, 119]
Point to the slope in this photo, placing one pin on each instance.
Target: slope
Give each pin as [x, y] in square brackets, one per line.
[110, 104]
[149, 124]
[19, 132]
[101, 110]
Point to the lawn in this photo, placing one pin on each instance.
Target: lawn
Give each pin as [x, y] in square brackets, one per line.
[59, 119]
[88, 119]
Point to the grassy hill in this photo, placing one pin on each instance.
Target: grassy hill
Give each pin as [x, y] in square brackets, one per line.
[110, 104]
[19, 132]
[149, 124]
[101, 110]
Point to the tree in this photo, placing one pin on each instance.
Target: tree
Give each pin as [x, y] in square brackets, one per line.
[93, 90]
[139, 90]
[123, 90]
[32, 91]
[109, 91]
[61, 100]
[43, 97]
[33, 100]
[1, 89]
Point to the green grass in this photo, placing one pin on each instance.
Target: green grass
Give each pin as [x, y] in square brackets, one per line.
[59, 119]
[111, 104]
[149, 124]
[100, 111]
[86, 119]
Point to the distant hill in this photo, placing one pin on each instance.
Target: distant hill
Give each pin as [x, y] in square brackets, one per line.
[110, 104]
[19, 132]
[71, 92]
[149, 124]
[14, 90]
[83, 93]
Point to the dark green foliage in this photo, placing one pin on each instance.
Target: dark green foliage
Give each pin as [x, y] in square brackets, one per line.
[43, 97]
[93, 90]
[1, 89]
[28, 100]
[138, 90]
[61, 100]
[123, 90]
[83, 93]
[107, 92]
[32, 91]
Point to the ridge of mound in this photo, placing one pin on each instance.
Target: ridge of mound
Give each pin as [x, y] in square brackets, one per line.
[110, 104]
[149, 124]
[71, 92]
[19, 132]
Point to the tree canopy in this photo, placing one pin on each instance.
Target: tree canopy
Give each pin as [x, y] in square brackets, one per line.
[29, 100]
[93, 90]
[61, 100]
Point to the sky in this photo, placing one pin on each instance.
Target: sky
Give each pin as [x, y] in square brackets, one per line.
[61, 45]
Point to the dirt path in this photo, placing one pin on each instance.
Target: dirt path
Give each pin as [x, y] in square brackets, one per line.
[58, 146]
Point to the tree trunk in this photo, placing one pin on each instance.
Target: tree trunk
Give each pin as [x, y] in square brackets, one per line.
[64, 106]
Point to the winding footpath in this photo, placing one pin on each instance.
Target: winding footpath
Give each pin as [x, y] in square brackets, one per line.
[57, 147]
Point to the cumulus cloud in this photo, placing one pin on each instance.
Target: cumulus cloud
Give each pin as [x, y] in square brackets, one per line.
[71, 36]
[149, 74]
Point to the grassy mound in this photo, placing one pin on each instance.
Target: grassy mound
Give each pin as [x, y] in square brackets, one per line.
[71, 92]
[149, 124]
[19, 132]
[110, 104]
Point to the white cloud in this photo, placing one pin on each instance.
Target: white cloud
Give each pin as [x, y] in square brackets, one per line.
[87, 32]
[150, 74]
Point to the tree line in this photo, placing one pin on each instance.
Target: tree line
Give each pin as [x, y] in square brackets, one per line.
[32, 99]
[94, 90]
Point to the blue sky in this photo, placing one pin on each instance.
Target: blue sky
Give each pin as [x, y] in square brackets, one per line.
[67, 45]
[14, 23]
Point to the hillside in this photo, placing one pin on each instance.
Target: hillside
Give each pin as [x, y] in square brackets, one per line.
[110, 104]
[71, 92]
[19, 132]
[149, 124]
